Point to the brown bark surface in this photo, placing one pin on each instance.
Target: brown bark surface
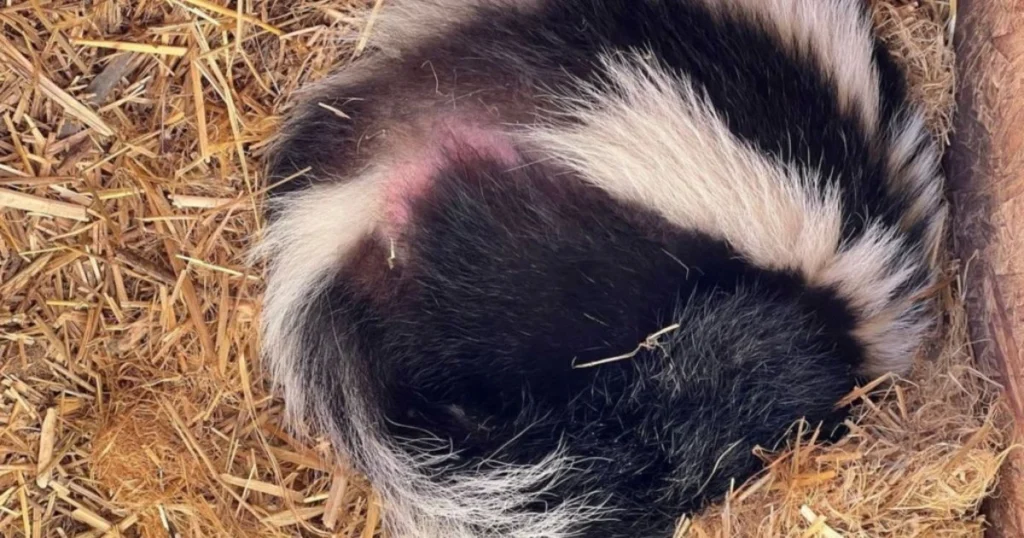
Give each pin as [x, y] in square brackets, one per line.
[986, 174]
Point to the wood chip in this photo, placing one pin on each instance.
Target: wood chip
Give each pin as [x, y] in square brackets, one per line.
[336, 497]
[47, 439]
[288, 518]
[201, 202]
[92, 519]
[43, 206]
[372, 517]
[818, 523]
[262, 487]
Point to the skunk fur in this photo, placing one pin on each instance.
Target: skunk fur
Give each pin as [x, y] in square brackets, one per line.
[491, 214]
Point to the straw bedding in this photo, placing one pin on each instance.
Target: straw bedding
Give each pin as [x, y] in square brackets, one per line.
[132, 400]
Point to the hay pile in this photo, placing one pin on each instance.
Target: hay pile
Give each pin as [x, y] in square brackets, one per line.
[132, 401]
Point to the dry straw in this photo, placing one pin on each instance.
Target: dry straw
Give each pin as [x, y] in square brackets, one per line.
[132, 400]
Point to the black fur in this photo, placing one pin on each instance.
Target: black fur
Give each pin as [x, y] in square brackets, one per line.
[515, 278]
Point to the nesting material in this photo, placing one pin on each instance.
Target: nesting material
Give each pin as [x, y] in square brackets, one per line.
[132, 401]
[921, 454]
[919, 36]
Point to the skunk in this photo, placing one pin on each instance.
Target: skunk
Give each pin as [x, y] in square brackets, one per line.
[554, 268]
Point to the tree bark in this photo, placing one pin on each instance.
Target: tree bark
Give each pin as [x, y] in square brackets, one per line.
[986, 177]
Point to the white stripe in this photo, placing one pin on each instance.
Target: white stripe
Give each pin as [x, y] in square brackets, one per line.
[305, 246]
[652, 140]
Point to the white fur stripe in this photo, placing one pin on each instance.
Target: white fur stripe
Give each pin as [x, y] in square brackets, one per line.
[652, 140]
[835, 32]
[306, 244]
[913, 164]
[869, 273]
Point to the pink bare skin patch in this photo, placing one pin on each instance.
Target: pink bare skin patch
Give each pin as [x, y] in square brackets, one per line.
[446, 139]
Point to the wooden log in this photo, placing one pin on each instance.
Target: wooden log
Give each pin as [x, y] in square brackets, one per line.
[986, 174]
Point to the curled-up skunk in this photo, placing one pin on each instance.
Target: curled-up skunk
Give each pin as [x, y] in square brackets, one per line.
[554, 268]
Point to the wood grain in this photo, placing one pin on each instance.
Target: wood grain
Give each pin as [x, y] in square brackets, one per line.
[986, 173]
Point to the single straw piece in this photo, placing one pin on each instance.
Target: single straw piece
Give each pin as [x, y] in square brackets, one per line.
[37, 204]
[47, 438]
[169, 50]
